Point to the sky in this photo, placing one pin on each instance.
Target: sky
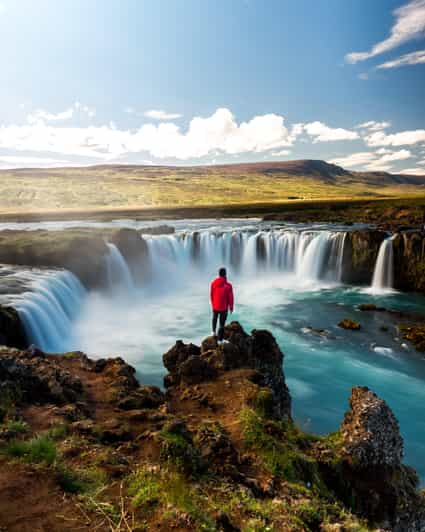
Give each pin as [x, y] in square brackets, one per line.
[213, 81]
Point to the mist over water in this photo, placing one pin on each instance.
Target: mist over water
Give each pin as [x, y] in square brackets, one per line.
[287, 281]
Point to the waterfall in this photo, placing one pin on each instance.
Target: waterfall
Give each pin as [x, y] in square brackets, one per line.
[307, 255]
[119, 275]
[383, 275]
[48, 309]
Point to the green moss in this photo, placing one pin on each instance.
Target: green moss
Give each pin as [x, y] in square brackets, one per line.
[39, 449]
[263, 402]
[58, 432]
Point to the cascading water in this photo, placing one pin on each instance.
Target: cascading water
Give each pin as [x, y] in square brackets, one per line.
[119, 275]
[383, 275]
[49, 308]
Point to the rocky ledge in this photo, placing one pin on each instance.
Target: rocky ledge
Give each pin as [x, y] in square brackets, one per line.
[86, 446]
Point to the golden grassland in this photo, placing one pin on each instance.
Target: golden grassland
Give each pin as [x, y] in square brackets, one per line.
[104, 188]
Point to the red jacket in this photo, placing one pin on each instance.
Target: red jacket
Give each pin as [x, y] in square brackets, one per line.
[221, 295]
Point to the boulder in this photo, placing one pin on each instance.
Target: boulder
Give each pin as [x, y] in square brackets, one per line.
[173, 358]
[370, 432]
[350, 325]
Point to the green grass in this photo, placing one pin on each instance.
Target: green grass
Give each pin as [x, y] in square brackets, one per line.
[40, 449]
[15, 426]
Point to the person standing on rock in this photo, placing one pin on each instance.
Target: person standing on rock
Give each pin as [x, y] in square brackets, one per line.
[221, 295]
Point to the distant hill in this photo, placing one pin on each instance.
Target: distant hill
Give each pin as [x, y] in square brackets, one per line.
[133, 186]
[310, 168]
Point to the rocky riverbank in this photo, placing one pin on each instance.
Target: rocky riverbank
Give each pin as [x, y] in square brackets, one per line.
[85, 446]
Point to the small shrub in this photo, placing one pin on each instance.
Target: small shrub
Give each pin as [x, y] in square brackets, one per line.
[36, 450]
[16, 426]
[58, 432]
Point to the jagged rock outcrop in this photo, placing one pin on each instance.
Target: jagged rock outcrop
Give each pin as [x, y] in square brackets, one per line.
[360, 253]
[371, 432]
[371, 476]
[12, 332]
[187, 363]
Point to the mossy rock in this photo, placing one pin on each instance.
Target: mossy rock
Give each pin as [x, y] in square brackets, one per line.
[349, 325]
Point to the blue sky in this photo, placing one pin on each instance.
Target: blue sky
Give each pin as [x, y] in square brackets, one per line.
[211, 81]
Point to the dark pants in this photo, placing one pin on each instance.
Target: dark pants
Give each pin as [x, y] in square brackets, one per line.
[222, 314]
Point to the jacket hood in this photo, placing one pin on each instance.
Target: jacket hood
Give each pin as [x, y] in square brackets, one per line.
[220, 281]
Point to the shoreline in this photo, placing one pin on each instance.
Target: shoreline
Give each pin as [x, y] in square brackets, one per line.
[306, 211]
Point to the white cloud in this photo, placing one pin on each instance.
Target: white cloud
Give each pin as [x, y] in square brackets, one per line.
[380, 160]
[44, 116]
[364, 76]
[323, 133]
[354, 159]
[40, 115]
[15, 161]
[414, 58]
[403, 138]
[413, 171]
[158, 114]
[409, 24]
[281, 153]
[372, 125]
[218, 133]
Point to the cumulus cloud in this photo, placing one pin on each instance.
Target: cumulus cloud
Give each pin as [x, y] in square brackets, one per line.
[323, 133]
[354, 159]
[414, 58]
[372, 125]
[281, 153]
[379, 160]
[218, 133]
[409, 24]
[158, 114]
[413, 171]
[403, 138]
[41, 115]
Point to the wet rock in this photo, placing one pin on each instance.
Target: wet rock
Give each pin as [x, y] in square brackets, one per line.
[360, 253]
[365, 307]
[414, 334]
[12, 333]
[158, 230]
[350, 325]
[371, 432]
[409, 261]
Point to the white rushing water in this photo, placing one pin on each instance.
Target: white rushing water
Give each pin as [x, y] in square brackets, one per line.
[49, 309]
[383, 275]
[304, 259]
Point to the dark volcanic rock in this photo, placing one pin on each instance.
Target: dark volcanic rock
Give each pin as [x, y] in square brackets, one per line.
[158, 230]
[371, 432]
[12, 332]
[36, 378]
[259, 351]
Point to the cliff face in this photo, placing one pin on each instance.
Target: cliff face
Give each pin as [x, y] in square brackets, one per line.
[360, 252]
[217, 451]
[81, 251]
[409, 261]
